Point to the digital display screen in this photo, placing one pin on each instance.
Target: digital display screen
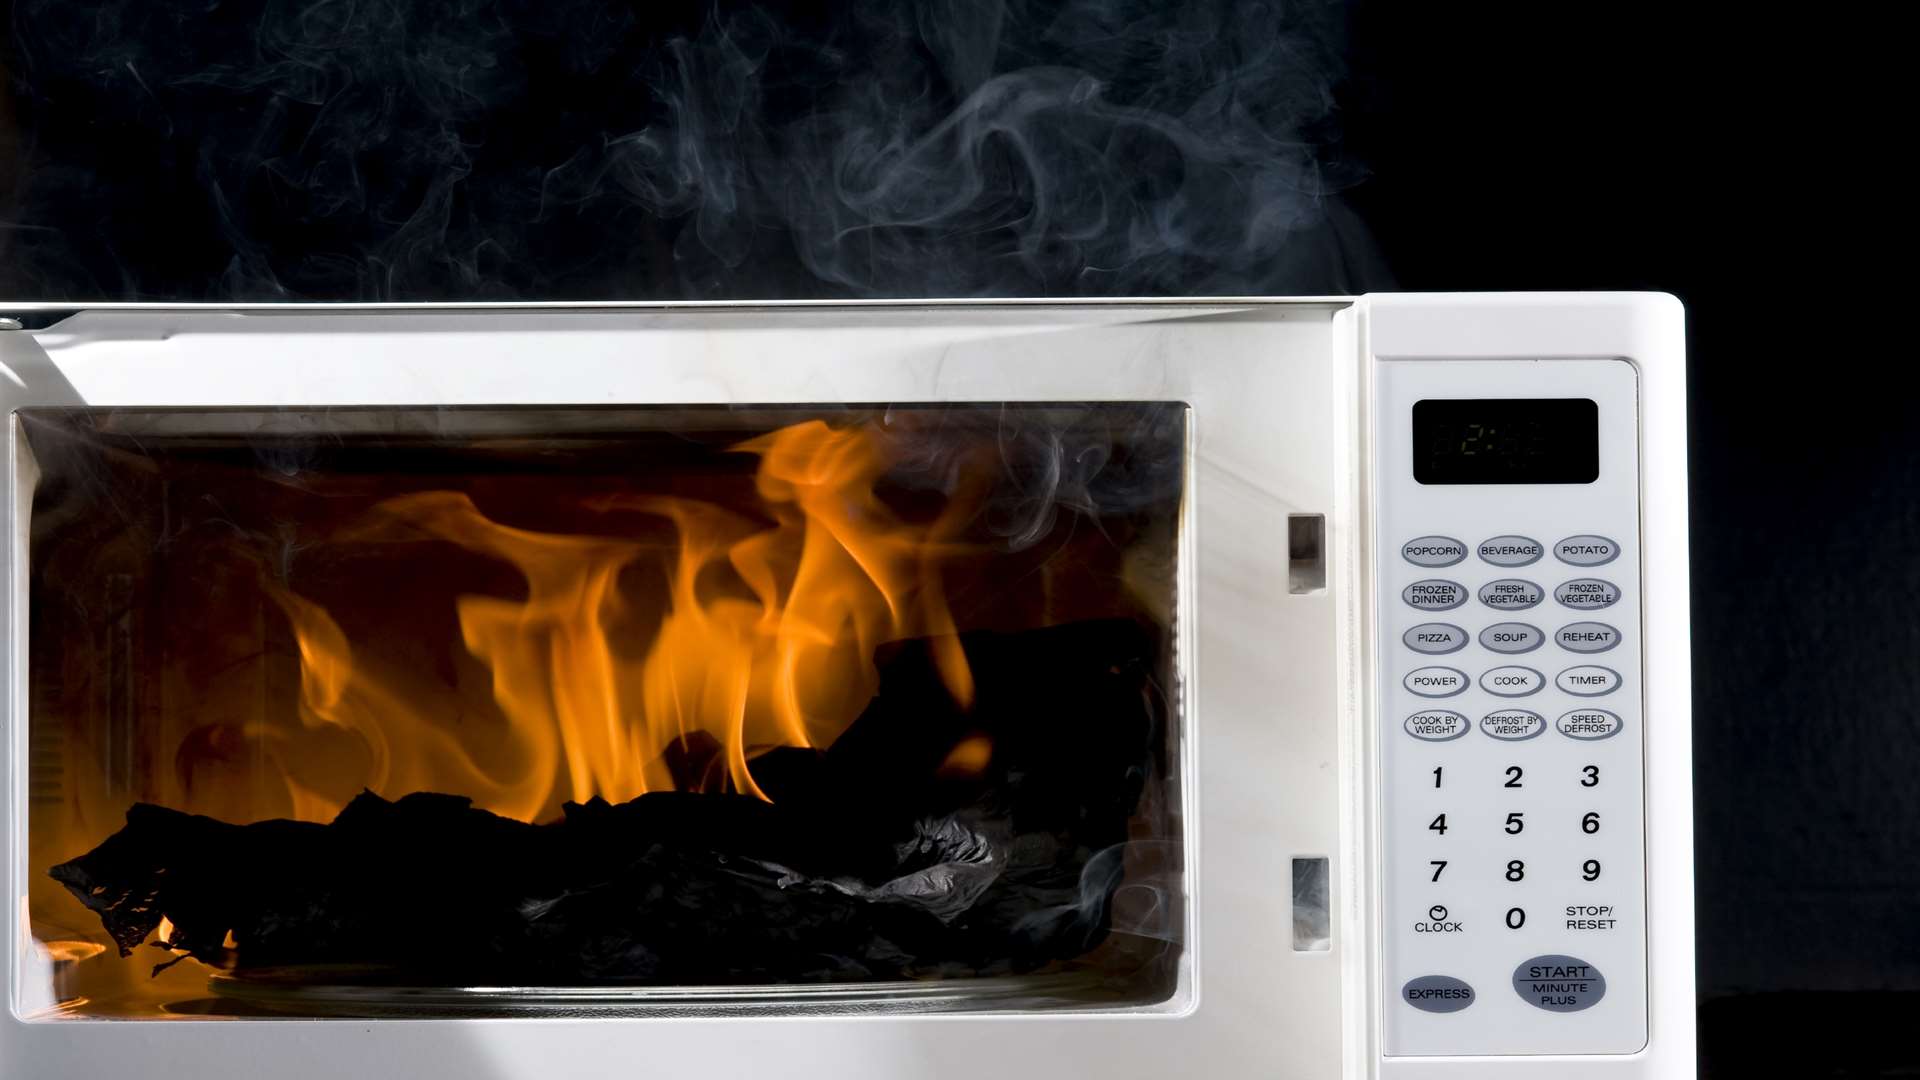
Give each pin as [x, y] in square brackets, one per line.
[1506, 441]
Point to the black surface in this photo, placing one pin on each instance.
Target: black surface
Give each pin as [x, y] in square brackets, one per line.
[1506, 441]
[1741, 158]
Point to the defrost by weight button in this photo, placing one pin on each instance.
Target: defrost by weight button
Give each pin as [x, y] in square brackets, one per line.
[1435, 638]
[1434, 594]
[1510, 551]
[1512, 725]
[1433, 552]
[1435, 681]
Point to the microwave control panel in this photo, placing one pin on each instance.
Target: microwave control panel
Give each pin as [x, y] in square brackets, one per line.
[1511, 811]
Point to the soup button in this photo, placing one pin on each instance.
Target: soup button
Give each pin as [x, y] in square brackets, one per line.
[1512, 681]
[1435, 681]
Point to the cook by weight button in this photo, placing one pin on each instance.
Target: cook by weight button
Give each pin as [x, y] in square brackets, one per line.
[1510, 594]
[1559, 983]
[1433, 552]
[1435, 681]
[1512, 681]
[1436, 725]
[1586, 550]
[1437, 993]
[1588, 680]
[1433, 594]
[1436, 638]
[1510, 551]
[1586, 637]
[1511, 637]
[1590, 594]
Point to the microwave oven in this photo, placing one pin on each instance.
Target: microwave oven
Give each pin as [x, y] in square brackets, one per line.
[1223, 687]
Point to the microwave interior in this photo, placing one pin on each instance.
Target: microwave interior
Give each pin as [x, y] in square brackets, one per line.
[471, 710]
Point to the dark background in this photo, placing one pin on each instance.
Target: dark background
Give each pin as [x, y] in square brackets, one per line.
[581, 149]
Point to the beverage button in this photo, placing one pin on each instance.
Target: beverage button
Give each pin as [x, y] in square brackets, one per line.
[1586, 550]
[1511, 637]
[1435, 681]
[1510, 594]
[1559, 983]
[1512, 681]
[1586, 637]
[1590, 594]
[1436, 725]
[1437, 993]
[1433, 552]
[1433, 594]
[1589, 724]
[1435, 638]
[1588, 680]
[1510, 551]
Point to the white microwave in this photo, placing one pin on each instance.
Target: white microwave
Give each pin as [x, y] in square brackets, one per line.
[1223, 687]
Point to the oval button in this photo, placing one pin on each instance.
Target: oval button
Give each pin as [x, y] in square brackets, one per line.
[1589, 724]
[1510, 594]
[1589, 593]
[1436, 725]
[1433, 552]
[1512, 725]
[1586, 637]
[1586, 550]
[1559, 983]
[1435, 638]
[1511, 637]
[1435, 681]
[1510, 551]
[1512, 681]
[1588, 680]
[1437, 994]
[1434, 594]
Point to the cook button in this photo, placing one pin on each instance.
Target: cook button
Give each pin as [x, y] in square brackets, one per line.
[1433, 551]
[1588, 680]
[1586, 550]
[1437, 994]
[1589, 593]
[1511, 637]
[1587, 637]
[1435, 681]
[1435, 637]
[1510, 551]
[1510, 594]
[1559, 983]
[1434, 594]
[1512, 681]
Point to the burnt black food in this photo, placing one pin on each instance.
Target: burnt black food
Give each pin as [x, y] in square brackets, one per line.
[871, 862]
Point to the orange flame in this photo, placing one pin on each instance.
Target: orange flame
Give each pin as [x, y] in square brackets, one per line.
[766, 639]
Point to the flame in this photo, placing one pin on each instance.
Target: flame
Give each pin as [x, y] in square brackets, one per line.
[766, 638]
[68, 951]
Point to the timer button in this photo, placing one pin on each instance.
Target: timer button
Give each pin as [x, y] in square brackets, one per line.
[1433, 552]
[1511, 637]
[1512, 681]
[1436, 638]
[1434, 594]
[1586, 550]
[1586, 637]
[1588, 680]
[1510, 551]
[1437, 993]
[1589, 594]
[1510, 594]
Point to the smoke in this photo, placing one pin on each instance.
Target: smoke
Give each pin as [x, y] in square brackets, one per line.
[337, 149]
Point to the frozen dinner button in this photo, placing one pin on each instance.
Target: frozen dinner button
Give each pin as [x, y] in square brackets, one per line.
[1434, 594]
